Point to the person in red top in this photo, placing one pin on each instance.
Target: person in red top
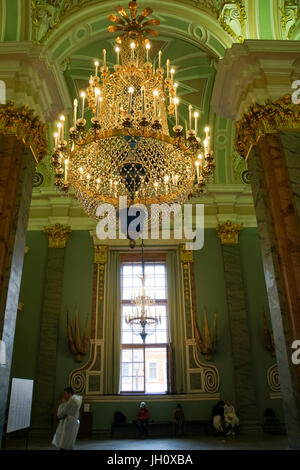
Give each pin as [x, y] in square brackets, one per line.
[143, 417]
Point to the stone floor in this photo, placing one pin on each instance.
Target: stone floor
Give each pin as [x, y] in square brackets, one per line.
[241, 442]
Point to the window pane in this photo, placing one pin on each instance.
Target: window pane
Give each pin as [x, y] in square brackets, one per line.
[158, 358]
[133, 367]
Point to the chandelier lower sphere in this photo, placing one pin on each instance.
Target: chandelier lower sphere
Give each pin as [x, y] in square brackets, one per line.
[127, 149]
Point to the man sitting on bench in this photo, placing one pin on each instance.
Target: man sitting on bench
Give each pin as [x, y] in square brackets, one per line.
[142, 419]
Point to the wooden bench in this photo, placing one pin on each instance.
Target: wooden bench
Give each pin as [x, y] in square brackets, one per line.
[155, 428]
[161, 428]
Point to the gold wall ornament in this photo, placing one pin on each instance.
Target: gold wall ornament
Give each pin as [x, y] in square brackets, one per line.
[289, 16]
[22, 123]
[100, 254]
[186, 256]
[269, 338]
[77, 346]
[232, 17]
[206, 343]
[58, 235]
[261, 119]
[228, 232]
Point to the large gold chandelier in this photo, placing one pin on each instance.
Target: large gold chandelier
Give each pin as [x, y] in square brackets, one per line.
[127, 149]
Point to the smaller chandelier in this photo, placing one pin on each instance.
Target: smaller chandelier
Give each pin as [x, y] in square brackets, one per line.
[120, 143]
[142, 321]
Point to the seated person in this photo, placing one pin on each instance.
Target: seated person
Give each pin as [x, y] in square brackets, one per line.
[231, 419]
[218, 416]
[143, 418]
[178, 419]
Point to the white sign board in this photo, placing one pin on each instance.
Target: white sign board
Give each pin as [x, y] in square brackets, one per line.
[20, 405]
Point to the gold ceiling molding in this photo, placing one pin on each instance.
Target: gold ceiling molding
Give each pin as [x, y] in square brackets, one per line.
[48, 14]
[22, 123]
[232, 17]
[261, 119]
[289, 15]
[58, 235]
[229, 233]
[230, 14]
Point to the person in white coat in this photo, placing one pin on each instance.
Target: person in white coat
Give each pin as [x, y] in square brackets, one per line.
[68, 415]
[231, 420]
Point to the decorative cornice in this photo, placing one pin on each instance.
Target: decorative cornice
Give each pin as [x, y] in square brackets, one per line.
[270, 117]
[58, 235]
[229, 233]
[100, 254]
[22, 123]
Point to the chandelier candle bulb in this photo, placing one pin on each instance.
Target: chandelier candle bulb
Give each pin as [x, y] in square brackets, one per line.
[172, 75]
[147, 51]
[104, 57]
[159, 59]
[96, 63]
[75, 103]
[168, 68]
[117, 49]
[83, 99]
[190, 116]
[196, 115]
[176, 101]
[66, 171]
[55, 138]
[130, 91]
[59, 132]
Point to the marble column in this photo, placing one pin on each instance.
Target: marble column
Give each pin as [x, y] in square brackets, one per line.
[274, 167]
[240, 343]
[17, 167]
[44, 386]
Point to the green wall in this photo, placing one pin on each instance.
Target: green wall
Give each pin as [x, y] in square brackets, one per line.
[210, 295]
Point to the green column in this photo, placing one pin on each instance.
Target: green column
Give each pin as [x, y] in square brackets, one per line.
[241, 352]
[44, 388]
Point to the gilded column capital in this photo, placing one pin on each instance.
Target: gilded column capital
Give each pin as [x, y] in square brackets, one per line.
[186, 256]
[22, 123]
[267, 118]
[100, 254]
[58, 235]
[228, 233]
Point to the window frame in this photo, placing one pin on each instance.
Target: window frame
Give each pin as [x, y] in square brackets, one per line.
[150, 261]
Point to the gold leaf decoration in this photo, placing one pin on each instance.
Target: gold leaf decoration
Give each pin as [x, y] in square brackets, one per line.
[261, 119]
[77, 346]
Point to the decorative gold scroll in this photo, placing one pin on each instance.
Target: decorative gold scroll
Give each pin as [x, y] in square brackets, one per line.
[22, 123]
[262, 119]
